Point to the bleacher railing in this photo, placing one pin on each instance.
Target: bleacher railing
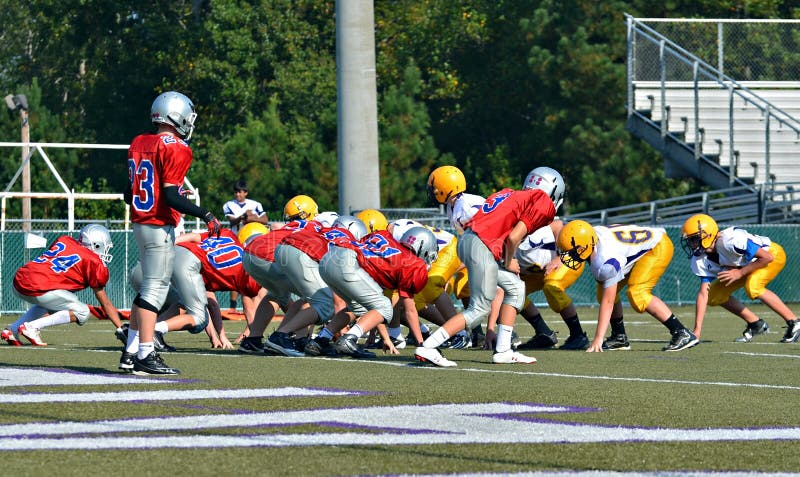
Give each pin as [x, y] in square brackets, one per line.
[655, 60]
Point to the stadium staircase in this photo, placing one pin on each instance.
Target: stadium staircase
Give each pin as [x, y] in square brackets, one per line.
[740, 139]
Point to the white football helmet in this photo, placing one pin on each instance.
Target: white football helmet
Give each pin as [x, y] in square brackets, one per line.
[175, 109]
[326, 218]
[96, 238]
[353, 224]
[548, 180]
[422, 242]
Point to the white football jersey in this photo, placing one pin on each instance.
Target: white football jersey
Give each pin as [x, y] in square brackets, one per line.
[732, 246]
[401, 226]
[618, 248]
[464, 207]
[537, 249]
[236, 209]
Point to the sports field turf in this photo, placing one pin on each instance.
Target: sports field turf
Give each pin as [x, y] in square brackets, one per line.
[721, 406]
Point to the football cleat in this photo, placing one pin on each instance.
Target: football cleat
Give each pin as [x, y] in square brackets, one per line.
[31, 334]
[348, 344]
[434, 357]
[579, 342]
[159, 344]
[540, 341]
[10, 337]
[281, 343]
[616, 342]
[792, 331]
[411, 341]
[151, 364]
[126, 362]
[682, 339]
[760, 327]
[478, 337]
[458, 341]
[399, 343]
[320, 346]
[122, 334]
[512, 357]
[251, 345]
[515, 340]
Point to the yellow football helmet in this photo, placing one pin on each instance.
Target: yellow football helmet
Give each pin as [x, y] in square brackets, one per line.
[698, 233]
[300, 207]
[576, 243]
[373, 219]
[445, 182]
[253, 229]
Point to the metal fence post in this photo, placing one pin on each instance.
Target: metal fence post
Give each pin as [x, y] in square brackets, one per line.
[663, 62]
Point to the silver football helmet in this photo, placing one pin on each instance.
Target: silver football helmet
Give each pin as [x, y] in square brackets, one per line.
[352, 224]
[175, 109]
[422, 242]
[96, 238]
[548, 180]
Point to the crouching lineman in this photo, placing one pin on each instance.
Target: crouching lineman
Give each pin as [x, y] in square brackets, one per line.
[49, 283]
[731, 259]
[360, 271]
[488, 249]
[621, 255]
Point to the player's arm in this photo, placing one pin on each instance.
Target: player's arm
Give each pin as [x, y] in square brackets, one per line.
[255, 217]
[603, 318]
[183, 205]
[109, 309]
[700, 306]
[519, 232]
[127, 194]
[762, 259]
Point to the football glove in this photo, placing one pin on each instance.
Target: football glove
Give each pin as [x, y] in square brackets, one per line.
[214, 226]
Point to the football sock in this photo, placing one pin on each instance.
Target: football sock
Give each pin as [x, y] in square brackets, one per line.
[325, 333]
[617, 326]
[145, 349]
[423, 328]
[162, 327]
[673, 324]
[57, 318]
[395, 332]
[436, 338]
[34, 313]
[503, 338]
[756, 324]
[133, 341]
[356, 331]
[574, 325]
[539, 325]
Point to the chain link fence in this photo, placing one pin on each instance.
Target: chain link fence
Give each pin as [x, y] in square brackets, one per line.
[748, 50]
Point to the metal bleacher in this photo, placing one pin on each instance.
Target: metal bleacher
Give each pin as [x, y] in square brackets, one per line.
[741, 139]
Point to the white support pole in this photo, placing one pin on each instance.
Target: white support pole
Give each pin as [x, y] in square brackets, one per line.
[359, 174]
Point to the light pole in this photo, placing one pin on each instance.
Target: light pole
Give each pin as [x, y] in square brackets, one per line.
[20, 102]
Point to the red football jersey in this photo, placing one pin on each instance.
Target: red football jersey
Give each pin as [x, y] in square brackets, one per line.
[221, 260]
[264, 246]
[155, 160]
[502, 210]
[391, 265]
[67, 265]
[315, 239]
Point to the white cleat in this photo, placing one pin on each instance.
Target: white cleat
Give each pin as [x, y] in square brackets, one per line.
[512, 357]
[31, 334]
[433, 356]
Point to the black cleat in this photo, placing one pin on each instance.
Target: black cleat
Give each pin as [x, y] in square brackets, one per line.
[540, 341]
[152, 364]
[122, 334]
[579, 342]
[348, 345]
[320, 347]
[792, 332]
[616, 342]
[159, 344]
[126, 362]
[681, 339]
[251, 345]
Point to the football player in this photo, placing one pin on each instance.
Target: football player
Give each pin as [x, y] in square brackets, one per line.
[619, 256]
[488, 249]
[541, 269]
[157, 167]
[360, 272]
[298, 255]
[730, 259]
[49, 283]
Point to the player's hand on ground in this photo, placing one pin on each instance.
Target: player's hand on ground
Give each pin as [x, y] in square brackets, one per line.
[389, 348]
[490, 341]
[595, 347]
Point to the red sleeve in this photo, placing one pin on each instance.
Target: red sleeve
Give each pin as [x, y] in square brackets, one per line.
[97, 274]
[177, 158]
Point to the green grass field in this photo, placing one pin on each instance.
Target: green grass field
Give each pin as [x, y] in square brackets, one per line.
[721, 406]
